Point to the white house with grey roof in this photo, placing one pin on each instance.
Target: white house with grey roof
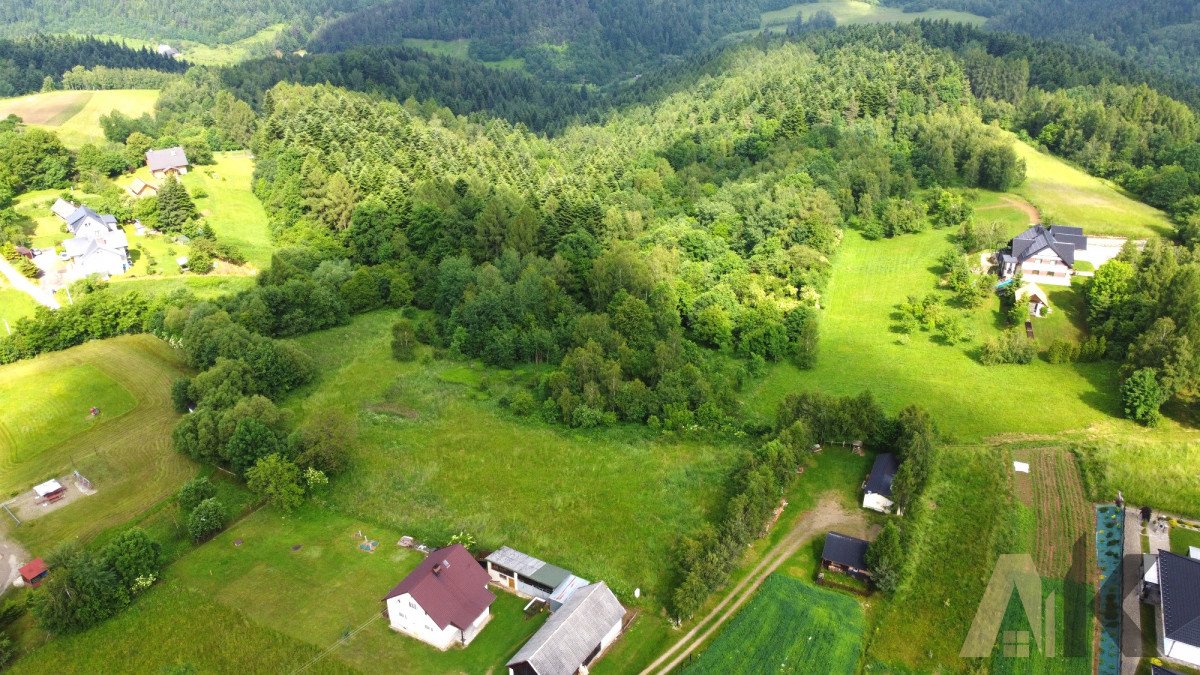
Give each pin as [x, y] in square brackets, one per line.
[98, 244]
[1178, 586]
[527, 576]
[574, 636]
[167, 162]
[1043, 254]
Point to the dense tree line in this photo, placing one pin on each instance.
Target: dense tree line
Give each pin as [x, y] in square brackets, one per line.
[561, 40]
[1146, 307]
[207, 21]
[401, 73]
[27, 62]
[103, 77]
[1159, 34]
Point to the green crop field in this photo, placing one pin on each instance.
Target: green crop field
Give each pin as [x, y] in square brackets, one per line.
[789, 626]
[126, 451]
[968, 400]
[75, 115]
[436, 457]
[1069, 196]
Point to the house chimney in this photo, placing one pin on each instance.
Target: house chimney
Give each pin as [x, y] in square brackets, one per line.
[437, 569]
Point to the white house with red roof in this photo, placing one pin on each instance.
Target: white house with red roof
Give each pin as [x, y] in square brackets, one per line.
[444, 601]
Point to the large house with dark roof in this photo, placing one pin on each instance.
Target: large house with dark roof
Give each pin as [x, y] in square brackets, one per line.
[574, 635]
[1043, 254]
[166, 162]
[1179, 609]
[98, 244]
[877, 490]
[444, 601]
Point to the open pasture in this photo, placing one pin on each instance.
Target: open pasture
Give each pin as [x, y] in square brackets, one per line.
[75, 115]
[1068, 196]
[969, 401]
[856, 12]
[436, 457]
[125, 451]
[789, 626]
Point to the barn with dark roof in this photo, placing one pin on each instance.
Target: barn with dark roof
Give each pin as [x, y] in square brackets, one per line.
[444, 601]
[846, 554]
[877, 490]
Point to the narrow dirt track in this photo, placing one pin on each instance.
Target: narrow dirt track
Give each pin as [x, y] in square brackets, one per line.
[1030, 210]
[826, 515]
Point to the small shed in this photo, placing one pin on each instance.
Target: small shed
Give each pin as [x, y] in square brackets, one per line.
[846, 554]
[877, 489]
[34, 572]
[530, 577]
[50, 491]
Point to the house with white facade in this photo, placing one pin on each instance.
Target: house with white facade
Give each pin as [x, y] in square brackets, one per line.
[1043, 254]
[443, 602]
[98, 244]
[1179, 608]
[877, 490]
[574, 636]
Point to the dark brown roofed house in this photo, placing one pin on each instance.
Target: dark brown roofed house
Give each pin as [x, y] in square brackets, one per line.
[444, 601]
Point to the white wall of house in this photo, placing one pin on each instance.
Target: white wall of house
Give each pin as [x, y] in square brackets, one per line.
[611, 636]
[102, 261]
[877, 502]
[406, 616]
[1174, 649]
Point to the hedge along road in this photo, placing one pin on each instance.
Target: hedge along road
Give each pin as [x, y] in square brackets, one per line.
[826, 515]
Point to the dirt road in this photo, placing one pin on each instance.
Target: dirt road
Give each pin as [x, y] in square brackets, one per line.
[19, 282]
[11, 557]
[827, 515]
[1030, 210]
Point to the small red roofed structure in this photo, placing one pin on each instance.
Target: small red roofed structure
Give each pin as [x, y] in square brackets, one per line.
[34, 572]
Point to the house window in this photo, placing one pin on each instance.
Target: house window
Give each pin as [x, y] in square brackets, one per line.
[413, 605]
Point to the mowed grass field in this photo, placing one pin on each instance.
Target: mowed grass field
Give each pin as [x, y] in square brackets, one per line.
[1069, 196]
[14, 305]
[126, 452]
[75, 115]
[969, 401]
[435, 457]
[855, 12]
[788, 627]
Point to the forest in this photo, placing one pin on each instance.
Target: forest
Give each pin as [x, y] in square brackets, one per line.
[26, 64]
[1160, 34]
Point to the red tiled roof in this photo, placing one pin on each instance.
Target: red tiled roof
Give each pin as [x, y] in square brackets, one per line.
[454, 595]
[31, 570]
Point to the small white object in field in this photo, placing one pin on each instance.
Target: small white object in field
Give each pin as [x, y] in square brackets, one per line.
[637, 592]
[1020, 467]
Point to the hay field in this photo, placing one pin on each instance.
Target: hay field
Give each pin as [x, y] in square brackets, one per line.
[75, 115]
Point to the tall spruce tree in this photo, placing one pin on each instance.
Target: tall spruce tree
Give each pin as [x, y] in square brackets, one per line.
[176, 211]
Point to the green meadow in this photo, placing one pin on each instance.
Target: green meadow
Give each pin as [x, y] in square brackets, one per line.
[75, 115]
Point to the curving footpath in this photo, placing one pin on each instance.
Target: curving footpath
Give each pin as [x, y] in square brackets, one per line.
[826, 515]
[21, 283]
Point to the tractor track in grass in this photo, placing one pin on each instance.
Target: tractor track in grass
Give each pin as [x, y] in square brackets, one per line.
[826, 515]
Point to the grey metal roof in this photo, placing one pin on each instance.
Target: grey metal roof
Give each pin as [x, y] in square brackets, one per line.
[168, 158]
[882, 474]
[1179, 581]
[572, 633]
[845, 550]
[525, 565]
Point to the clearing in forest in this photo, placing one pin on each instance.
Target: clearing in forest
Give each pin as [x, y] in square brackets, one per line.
[970, 401]
[856, 12]
[47, 430]
[75, 115]
[1069, 196]
[789, 626]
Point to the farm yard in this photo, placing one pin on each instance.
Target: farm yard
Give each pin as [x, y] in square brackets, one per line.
[75, 115]
[789, 626]
[46, 431]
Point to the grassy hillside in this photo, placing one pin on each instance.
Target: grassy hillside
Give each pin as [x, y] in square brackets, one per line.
[849, 12]
[46, 431]
[75, 115]
[1067, 195]
[436, 456]
[968, 400]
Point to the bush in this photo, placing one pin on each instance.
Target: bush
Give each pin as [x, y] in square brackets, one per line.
[1142, 396]
[181, 398]
[323, 441]
[1011, 347]
[1094, 349]
[1062, 351]
[278, 481]
[522, 403]
[193, 492]
[7, 650]
[207, 519]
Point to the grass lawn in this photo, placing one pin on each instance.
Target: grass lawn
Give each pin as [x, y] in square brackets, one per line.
[860, 352]
[75, 115]
[1151, 467]
[204, 287]
[924, 625]
[231, 208]
[126, 452]
[1182, 538]
[257, 45]
[14, 305]
[435, 457]
[856, 12]
[789, 626]
[1070, 196]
